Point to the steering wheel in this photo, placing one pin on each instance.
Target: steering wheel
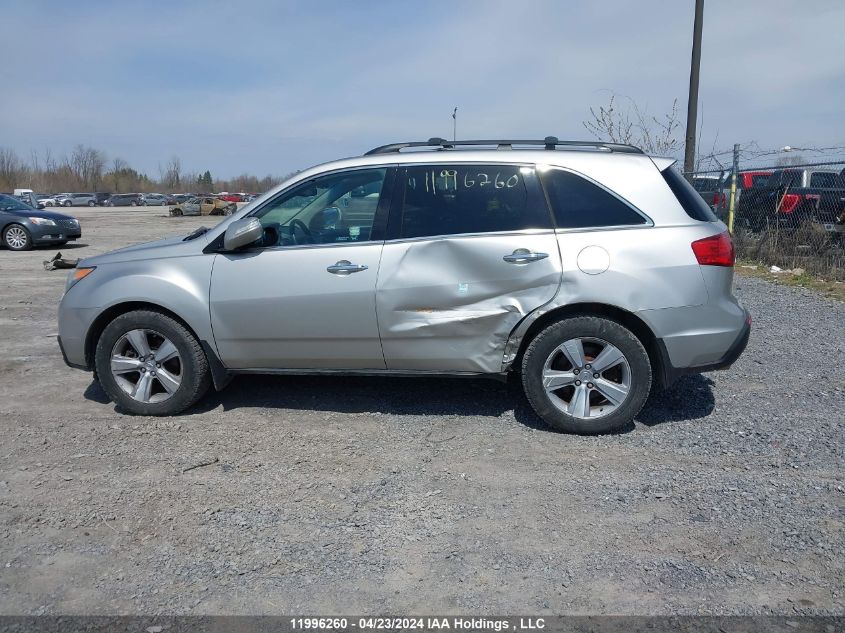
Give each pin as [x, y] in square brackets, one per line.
[296, 223]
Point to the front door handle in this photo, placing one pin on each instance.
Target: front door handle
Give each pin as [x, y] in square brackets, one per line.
[345, 267]
[524, 256]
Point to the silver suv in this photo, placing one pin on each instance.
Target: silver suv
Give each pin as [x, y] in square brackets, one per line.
[589, 270]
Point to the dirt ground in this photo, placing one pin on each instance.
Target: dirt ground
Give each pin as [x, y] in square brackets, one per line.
[366, 495]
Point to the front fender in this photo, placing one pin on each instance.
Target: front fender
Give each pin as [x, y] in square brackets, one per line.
[179, 285]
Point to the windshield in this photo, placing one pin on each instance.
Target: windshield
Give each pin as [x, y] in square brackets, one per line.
[10, 203]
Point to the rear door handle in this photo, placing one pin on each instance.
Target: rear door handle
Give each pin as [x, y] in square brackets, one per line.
[524, 256]
[345, 267]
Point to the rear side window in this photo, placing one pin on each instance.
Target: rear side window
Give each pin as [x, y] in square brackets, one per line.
[787, 178]
[458, 199]
[578, 203]
[688, 197]
[823, 179]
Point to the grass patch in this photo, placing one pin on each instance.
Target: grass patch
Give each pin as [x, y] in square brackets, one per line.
[830, 289]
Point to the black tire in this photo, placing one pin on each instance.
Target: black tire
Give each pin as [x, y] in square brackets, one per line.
[176, 213]
[544, 344]
[133, 204]
[27, 246]
[230, 209]
[91, 203]
[66, 203]
[196, 377]
[164, 203]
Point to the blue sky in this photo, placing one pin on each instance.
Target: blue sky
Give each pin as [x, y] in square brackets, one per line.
[270, 87]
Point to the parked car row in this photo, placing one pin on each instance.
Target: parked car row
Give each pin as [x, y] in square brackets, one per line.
[106, 199]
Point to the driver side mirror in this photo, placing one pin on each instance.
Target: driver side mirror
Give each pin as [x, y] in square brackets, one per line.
[242, 233]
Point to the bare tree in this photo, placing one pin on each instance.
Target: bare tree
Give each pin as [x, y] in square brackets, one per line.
[12, 169]
[171, 177]
[635, 126]
[86, 164]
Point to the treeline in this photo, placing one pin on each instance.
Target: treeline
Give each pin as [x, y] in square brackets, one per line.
[87, 169]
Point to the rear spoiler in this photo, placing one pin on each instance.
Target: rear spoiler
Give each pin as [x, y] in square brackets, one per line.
[662, 164]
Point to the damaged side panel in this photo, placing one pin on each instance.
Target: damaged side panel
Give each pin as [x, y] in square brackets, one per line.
[450, 303]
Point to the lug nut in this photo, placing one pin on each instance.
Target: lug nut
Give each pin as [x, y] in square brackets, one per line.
[595, 375]
[143, 369]
[577, 383]
[589, 385]
[587, 366]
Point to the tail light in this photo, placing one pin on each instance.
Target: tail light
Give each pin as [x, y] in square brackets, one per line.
[716, 250]
[789, 202]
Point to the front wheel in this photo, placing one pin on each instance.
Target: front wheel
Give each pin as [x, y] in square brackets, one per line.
[91, 203]
[17, 238]
[66, 203]
[586, 375]
[150, 364]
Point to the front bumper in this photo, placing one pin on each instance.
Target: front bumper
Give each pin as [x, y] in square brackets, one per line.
[52, 234]
[65, 358]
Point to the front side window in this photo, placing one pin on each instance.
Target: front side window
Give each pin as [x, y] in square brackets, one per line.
[332, 209]
[578, 203]
[461, 199]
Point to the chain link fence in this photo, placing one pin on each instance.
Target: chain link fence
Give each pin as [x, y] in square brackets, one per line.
[791, 216]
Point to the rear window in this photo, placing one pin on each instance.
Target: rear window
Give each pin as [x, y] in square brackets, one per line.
[759, 180]
[692, 203]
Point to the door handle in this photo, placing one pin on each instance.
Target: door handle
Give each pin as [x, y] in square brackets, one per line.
[524, 256]
[345, 267]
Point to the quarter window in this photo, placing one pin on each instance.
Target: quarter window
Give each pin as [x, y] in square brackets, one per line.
[578, 203]
[461, 199]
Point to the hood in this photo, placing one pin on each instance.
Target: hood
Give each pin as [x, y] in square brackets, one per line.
[168, 247]
[40, 213]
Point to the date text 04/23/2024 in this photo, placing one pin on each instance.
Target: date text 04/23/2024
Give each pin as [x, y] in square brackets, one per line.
[465, 624]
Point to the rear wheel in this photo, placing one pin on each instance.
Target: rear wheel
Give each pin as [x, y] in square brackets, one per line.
[586, 375]
[133, 204]
[17, 238]
[91, 203]
[150, 364]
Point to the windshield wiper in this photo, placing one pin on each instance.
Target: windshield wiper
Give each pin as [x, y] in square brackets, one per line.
[196, 233]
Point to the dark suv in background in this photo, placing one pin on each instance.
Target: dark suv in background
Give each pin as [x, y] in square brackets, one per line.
[125, 200]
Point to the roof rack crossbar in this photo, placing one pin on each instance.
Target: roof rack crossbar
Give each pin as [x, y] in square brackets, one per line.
[549, 143]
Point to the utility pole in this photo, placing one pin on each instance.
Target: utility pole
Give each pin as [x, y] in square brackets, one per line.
[692, 102]
[455, 124]
[734, 176]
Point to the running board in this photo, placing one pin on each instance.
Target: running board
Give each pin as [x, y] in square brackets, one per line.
[393, 373]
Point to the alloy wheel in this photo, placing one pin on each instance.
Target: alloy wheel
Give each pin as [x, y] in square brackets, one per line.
[16, 237]
[587, 377]
[146, 365]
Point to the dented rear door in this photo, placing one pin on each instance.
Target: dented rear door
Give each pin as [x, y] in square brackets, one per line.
[470, 251]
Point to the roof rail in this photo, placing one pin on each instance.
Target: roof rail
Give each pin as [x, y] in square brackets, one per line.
[550, 143]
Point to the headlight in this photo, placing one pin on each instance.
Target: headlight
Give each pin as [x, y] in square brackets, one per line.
[42, 221]
[77, 274]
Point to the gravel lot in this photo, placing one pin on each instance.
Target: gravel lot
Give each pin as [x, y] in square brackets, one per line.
[396, 495]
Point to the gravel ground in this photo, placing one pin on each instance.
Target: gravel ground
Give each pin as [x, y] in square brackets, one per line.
[396, 495]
